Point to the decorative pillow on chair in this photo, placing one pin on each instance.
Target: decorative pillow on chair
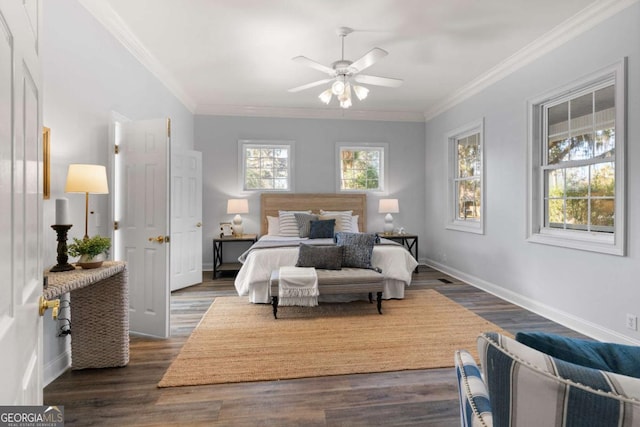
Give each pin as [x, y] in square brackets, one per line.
[321, 257]
[358, 248]
[304, 223]
[618, 358]
[322, 229]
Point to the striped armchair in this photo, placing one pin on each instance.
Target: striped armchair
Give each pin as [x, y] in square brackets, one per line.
[525, 387]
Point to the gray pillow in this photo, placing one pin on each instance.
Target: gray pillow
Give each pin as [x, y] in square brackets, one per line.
[304, 223]
[321, 257]
[358, 248]
[322, 229]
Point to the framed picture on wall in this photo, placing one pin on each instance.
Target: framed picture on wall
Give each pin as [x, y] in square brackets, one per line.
[225, 229]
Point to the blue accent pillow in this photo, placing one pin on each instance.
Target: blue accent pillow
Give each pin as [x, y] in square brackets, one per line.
[322, 229]
[321, 257]
[358, 248]
[611, 357]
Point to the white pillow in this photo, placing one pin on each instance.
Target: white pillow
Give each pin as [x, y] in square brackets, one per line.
[355, 228]
[273, 225]
[337, 218]
[344, 219]
[288, 223]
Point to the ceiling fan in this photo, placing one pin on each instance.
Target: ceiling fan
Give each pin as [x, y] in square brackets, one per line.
[345, 73]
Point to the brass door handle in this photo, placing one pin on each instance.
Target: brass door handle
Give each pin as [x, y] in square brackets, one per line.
[44, 304]
[159, 239]
[199, 225]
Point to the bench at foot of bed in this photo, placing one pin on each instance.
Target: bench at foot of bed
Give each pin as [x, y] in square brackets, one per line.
[336, 282]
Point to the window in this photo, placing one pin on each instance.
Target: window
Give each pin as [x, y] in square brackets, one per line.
[466, 206]
[362, 167]
[577, 143]
[266, 165]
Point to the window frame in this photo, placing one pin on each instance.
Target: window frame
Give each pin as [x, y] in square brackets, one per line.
[253, 143]
[383, 148]
[452, 138]
[594, 241]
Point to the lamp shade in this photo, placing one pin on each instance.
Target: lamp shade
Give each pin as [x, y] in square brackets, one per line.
[388, 206]
[237, 206]
[87, 179]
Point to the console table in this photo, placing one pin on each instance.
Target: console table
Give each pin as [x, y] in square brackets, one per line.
[99, 312]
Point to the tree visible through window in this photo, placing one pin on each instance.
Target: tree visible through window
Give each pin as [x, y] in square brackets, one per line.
[266, 167]
[580, 166]
[361, 168]
[465, 178]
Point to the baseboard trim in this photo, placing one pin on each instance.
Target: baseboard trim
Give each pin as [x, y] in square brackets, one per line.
[568, 320]
[56, 367]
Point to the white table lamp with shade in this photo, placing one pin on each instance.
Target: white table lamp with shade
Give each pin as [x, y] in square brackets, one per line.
[237, 206]
[87, 179]
[388, 206]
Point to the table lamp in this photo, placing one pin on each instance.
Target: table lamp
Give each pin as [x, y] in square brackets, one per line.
[86, 179]
[388, 206]
[237, 206]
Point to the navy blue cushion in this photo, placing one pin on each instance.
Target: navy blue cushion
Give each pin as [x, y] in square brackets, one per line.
[322, 229]
[617, 358]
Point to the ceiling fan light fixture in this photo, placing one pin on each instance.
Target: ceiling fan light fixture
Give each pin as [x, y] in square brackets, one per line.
[337, 87]
[346, 103]
[326, 96]
[346, 93]
[361, 92]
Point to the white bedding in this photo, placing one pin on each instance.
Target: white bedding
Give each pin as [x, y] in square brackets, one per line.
[396, 263]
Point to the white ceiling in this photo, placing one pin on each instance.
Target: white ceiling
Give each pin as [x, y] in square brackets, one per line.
[234, 56]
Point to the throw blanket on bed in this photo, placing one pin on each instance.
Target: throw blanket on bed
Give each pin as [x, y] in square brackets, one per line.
[298, 286]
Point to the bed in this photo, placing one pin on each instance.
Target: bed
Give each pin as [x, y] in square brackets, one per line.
[273, 250]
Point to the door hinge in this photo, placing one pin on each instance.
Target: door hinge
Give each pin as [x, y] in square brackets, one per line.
[169, 128]
[116, 225]
[117, 150]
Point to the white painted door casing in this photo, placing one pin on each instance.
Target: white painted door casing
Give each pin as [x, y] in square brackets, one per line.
[21, 203]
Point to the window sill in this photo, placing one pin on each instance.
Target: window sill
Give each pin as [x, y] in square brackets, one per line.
[585, 241]
[474, 227]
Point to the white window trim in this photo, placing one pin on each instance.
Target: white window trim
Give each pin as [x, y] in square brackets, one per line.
[469, 226]
[359, 146]
[576, 239]
[290, 145]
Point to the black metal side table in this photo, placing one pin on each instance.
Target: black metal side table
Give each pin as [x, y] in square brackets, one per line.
[218, 264]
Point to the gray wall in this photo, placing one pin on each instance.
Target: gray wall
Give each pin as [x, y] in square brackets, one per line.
[588, 291]
[315, 166]
[86, 75]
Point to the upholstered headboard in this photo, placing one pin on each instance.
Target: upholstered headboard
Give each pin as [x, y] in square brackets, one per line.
[271, 203]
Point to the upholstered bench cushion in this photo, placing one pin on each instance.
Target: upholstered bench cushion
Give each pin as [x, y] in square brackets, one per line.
[348, 278]
[475, 408]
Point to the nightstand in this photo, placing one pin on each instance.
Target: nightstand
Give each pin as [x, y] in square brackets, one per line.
[409, 241]
[218, 263]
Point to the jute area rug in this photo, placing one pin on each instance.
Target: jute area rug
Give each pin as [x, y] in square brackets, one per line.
[237, 341]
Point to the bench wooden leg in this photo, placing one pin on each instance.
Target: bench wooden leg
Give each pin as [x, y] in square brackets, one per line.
[274, 304]
[379, 302]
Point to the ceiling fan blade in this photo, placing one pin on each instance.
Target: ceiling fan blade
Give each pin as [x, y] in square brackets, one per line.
[368, 59]
[309, 85]
[313, 64]
[378, 81]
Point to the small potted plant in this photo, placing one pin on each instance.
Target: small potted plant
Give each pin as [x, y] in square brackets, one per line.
[92, 251]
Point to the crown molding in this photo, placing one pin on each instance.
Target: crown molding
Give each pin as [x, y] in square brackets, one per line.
[309, 113]
[103, 12]
[584, 20]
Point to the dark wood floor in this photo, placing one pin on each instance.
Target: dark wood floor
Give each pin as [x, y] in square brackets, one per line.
[129, 396]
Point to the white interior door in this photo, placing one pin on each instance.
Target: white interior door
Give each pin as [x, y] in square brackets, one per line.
[186, 218]
[21, 201]
[142, 212]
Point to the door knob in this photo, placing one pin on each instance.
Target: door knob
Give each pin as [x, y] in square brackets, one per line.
[44, 304]
[199, 225]
[159, 239]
